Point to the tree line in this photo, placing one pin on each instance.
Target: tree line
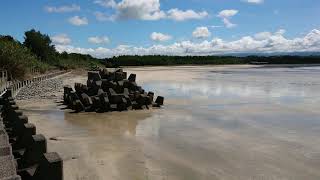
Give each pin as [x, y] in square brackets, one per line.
[159, 60]
[38, 52]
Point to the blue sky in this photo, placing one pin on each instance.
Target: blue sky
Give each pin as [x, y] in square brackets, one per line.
[105, 28]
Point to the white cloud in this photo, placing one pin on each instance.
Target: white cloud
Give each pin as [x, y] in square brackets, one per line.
[155, 36]
[106, 3]
[146, 10]
[225, 15]
[101, 16]
[262, 35]
[61, 39]
[139, 9]
[280, 32]
[78, 21]
[62, 9]
[99, 40]
[179, 15]
[201, 32]
[228, 23]
[272, 42]
[214, 26]
[254, 1]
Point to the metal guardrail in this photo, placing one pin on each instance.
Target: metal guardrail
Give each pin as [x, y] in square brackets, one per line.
[15, 86]
[4, 84]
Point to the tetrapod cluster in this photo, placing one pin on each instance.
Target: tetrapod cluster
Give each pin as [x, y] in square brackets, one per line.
[109, 91]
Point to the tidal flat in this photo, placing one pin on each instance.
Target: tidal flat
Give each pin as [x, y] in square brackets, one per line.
[238, 122]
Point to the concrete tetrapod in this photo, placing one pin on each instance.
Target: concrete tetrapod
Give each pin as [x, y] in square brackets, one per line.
[109, 91]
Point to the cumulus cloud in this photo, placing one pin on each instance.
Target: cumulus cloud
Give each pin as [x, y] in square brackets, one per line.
[99, 40]
[280, 32]
[262, 35]
[179, 15]
[201, 32]
[139, 9]
[254, 1]
[146, 10]
[61, 39]
[267, 43]
[78, 21]
[225, 15]
[62, 9]
[155, 36]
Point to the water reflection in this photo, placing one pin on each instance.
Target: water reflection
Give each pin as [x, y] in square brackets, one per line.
[244, 83]
[217, 123]
[123, 123]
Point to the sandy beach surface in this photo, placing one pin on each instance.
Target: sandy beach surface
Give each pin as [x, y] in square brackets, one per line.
[218, 123]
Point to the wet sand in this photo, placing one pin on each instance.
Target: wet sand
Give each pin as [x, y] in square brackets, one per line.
[219, 122]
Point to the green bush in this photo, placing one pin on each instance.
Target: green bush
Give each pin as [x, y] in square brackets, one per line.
[17, 59]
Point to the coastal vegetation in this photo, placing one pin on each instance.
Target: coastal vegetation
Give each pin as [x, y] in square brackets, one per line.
[38, 52]
[209, 60]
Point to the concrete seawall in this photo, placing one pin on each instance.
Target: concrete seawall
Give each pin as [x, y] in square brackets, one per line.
[15, 86]
[23, 152]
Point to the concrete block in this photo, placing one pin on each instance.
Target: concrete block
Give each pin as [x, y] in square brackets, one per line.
[122, 106]
[90, 83]
[86, 100]
[159, 100]
[94, 75]
[106, 85]
[119, 70]
[132, 78]
[151, 96]
[18, 125]
[96, 106]
[25, 136]
[100, 91]
[113, 107]
[105, 103]
[112, 91]
[114, 97]
[104, 73]
[118, 76]
[78, 106]
[98, 84]
[50, 167]
[135, 105]
[34, 151]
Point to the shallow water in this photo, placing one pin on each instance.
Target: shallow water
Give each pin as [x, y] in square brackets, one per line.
[218, 122]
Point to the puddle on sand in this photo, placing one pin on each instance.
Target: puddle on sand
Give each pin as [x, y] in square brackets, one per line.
[223, 122]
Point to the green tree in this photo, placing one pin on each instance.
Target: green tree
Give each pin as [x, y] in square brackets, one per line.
[7, 38]
[40, 44]
[15, 58]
